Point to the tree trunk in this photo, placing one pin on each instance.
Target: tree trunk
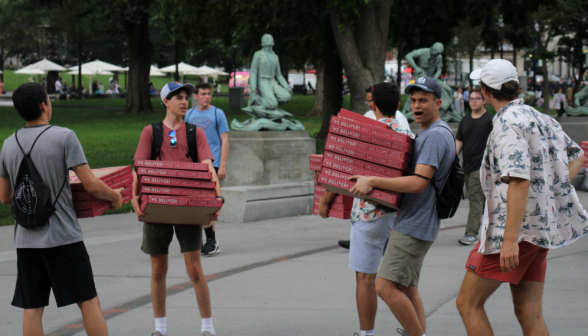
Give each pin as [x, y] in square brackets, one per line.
[317, 109]
[2, 60]
[140, 53]
[177, 73]
[363, 50]
[472, 52]
[399, 71]
[492, 53]
[332, 83]
[80, 94]
[546, 96]
[514, 55]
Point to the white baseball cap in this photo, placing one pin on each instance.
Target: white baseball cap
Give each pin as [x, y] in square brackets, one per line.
[173, 86]
[497, 72]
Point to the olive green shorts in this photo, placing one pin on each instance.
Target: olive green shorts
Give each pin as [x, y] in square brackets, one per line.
[157, 237]
[403, 259]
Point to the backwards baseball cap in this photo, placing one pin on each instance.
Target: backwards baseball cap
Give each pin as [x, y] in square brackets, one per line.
[426, 83]
[174, 86]
[497, 72]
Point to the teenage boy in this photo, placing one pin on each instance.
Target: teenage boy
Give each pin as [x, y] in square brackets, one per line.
[157, 237]
[51, 257]
[417, 223]
[472, 135]
[531, 206]
[214, 123]
[370, 225]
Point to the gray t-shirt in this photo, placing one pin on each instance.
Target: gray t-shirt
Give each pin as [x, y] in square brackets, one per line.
[57, 150]
[417, 216]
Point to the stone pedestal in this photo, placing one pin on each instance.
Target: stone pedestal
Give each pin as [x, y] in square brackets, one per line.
[575, 127]
[268, 176]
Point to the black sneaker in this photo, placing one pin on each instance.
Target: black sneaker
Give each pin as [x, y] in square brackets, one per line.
[344, 243]
[211, 247]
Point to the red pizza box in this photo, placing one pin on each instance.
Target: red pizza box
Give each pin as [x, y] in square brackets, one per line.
[367, 156]
[585, 165]
[368, 147]
[199, 193]
[584, 146]
[106, 175]
[334, 206]
[316, 158]
[171, 165]
[124, 182]
[316, 174]
[315, 166]
[334, 213]
[319, 189]
[178, 209]
[339, 199]
[343, 113]
[358, 167]
[121, 182]
[90, 202]
[186, 174]
[370, 129]
[388, 198]
[174, 182]
[93, 212]
[351, 133]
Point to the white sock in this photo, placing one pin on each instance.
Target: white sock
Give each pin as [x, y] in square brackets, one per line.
[207, 325]
[363, 333]
[161, 325]
[370, 332]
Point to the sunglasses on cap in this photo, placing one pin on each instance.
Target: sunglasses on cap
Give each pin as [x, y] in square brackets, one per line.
[173, 141]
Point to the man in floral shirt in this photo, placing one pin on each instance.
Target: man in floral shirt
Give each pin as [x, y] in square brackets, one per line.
[531, 206]
[370, 224]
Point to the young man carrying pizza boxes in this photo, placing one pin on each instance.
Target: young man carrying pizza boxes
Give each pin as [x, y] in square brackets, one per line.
[157, 237]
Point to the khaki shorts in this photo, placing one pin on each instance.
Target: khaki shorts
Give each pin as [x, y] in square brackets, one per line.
[157, 237]
[403, 259]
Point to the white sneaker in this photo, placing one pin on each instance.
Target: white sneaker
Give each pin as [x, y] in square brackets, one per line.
[468, 240]
[157, 333]
[208, 333]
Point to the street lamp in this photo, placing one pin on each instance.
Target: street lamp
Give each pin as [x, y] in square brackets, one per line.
[501, 26]
[455, 42]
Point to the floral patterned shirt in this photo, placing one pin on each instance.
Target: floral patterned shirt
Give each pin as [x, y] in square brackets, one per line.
[527, 144]
[361, 209]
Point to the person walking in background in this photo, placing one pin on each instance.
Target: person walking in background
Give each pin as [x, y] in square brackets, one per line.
[570, 96]
[471, 137]
[2, 91]
[466, 100]
[458, 101]
[370, 224]
[214, 123]
[531, 206]
[58, 85]
[559, 102]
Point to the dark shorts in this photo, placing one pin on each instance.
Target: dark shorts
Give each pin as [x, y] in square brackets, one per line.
[532, 264]
[157, 237]
[64, 269]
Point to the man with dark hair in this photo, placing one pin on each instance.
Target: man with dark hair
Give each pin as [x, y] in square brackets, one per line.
[531, 206]
[157, 237]
[370, 224]
[472, 135]
[214, 123]
[51, 257]
[417, 224]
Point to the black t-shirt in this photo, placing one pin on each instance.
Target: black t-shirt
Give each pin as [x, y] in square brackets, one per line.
[474, 135]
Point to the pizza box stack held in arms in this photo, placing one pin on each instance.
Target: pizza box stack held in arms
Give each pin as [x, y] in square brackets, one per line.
[358, 145]
[340, 207]
[86, 205]
[176, 192]
[584, 145]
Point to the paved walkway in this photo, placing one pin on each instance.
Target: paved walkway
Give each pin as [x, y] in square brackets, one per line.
[285, 277]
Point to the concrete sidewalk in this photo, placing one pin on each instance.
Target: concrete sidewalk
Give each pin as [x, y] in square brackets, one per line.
[286, 277]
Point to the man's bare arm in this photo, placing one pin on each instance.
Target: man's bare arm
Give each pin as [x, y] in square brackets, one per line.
[96, 187]
[516, 205]
[6, 191]
[325, 202]
[405, 184]
[458, 146]
[222, 169]
[575, 166]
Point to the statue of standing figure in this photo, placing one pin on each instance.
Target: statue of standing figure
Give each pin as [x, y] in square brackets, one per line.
[428, 62]
[268, 89]
[580, 101]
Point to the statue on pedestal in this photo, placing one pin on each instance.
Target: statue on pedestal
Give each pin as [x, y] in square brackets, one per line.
[268, 89]
[581, 102]
[428, 62]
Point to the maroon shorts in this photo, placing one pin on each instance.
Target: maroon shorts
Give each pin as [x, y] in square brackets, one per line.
[532, 264]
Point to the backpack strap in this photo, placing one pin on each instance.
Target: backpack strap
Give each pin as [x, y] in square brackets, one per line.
[34, 142]
[191, 137]
[448, 172]
[60, 190]
[157, 140]
[215, 120]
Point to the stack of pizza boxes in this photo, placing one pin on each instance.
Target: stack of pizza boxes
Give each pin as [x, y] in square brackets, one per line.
[341, 205]
[357, 145]
[87, 205]
[584, 145]
[176, 192]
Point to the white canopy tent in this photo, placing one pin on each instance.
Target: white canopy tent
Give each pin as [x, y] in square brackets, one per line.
[40, 67]
[96, 68]
[183, 69]
[153, 72]
[205, 71]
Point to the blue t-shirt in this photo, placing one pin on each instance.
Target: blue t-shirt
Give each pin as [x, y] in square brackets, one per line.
[417, 216]
[213, 125]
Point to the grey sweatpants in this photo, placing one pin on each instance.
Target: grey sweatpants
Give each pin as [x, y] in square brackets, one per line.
[477, 200]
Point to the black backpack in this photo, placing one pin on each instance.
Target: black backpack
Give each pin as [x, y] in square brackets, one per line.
[31, 203]
[158, 140]
[449, 198]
